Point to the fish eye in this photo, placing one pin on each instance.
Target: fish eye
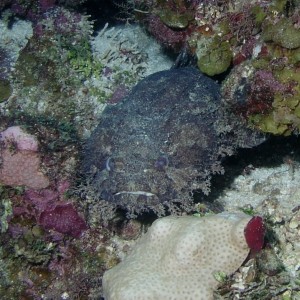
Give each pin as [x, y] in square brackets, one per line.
[110, 164]
[161, 163]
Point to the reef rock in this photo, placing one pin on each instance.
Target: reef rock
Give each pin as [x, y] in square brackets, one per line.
[160, 143]
[180, 257]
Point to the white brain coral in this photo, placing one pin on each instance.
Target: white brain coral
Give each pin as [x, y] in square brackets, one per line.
[178, 257]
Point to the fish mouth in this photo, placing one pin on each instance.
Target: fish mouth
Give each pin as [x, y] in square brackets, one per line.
[137, 193]
[131, 194]
[139, 197]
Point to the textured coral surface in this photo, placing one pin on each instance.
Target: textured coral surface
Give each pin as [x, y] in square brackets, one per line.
[179, 257]
[64, 219]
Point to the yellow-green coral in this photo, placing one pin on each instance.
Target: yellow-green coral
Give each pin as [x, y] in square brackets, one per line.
[175, 20]
[284, 118]
[283, 33]
[216, 58]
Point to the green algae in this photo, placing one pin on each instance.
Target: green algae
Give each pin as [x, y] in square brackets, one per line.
[175, 19]
[266, 123]
[279, 5]
[281, 59]
[216, 59]
[283, 33]
[5, 89]
[259, 14]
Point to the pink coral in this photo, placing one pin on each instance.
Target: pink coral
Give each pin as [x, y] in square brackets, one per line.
[43, 199]
[64, 219]
[46, 4]
[20, 161]
[47, 208]
[165, 35]
[255, 233]
[22, 140]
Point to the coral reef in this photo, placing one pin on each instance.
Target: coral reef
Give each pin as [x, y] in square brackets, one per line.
[36, 263]
[267, 96]
[180, 257]
[5, 213]
[167, 21]
[12, 39]
[264, 88]
[59, 80]
[50, 67]
[270, 189]
[56, 77]
[20, 166]
[127, 56]
[33, 10]
[69, 74]
[203, 26]
[56, 59]
[39, 225]
[256, 42]
[165, 35]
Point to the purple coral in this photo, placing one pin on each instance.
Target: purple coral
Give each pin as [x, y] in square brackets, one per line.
[31, 10]
[255, 233]
[167, 36]
[64, 219]
[262, 90]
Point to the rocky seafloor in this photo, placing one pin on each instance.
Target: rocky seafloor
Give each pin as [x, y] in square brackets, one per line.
[56, 96]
